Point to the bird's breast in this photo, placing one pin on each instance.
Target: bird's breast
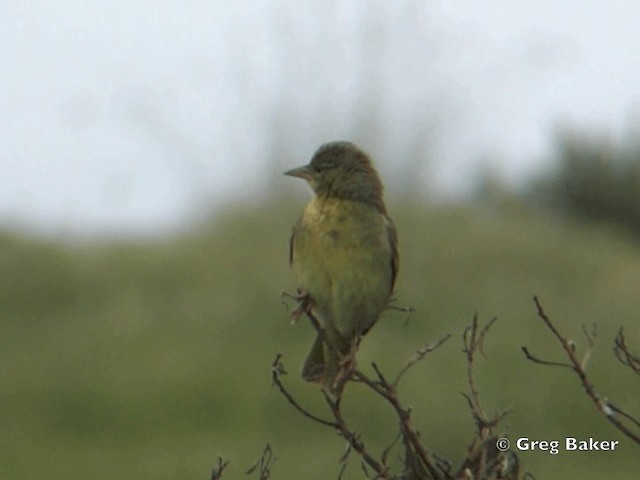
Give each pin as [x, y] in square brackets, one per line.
[342, 258]
[332, 227]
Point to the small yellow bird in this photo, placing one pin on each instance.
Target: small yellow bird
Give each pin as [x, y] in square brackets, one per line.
[344, 255]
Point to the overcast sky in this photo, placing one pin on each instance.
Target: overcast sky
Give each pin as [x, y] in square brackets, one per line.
[125, 116]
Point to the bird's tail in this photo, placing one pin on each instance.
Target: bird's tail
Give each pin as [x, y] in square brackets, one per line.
[314, 365]
[330, 366]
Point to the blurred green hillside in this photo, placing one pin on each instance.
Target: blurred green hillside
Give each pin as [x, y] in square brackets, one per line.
[147, 360]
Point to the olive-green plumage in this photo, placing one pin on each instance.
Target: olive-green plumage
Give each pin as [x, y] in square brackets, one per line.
[344, 256]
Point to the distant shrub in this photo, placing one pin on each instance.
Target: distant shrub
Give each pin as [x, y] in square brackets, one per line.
[594, 179]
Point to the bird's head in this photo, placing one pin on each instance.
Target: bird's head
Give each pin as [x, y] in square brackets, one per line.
[342, 170]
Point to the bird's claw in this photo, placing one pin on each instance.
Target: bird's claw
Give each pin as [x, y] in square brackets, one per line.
[302, 308]
[346, 367]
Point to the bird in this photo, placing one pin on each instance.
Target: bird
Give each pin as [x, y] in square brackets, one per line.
[343, 252]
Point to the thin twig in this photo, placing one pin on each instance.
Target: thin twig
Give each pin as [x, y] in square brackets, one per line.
[548, 363]
[473, 341]
[419, 355]
[216, 474]
[389, 393]
[354, 440]
[624, 355]
[276, 370]
[263, 464]
[443, 464]
[400, 309]
[387, 451]
[624, 414]
[339, 423]
[602, 404]
[343, 467]
[590, 336]
[344, 460]
[418, 462]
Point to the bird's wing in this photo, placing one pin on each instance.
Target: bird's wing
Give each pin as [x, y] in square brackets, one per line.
[297, 227]
[392, 236]
[293, 233]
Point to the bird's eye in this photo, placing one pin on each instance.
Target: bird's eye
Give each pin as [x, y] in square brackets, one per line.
[324, 167]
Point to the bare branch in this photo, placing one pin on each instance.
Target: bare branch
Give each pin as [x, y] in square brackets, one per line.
[483, 460]
[419, 355]
[623, 413]
[385, 454]
[590, 335]
[277, 369]
[263, 464]
[444, 465]
[411, 437]
[624, 355]
[577, 366]
[473, 340]
[354, 440]
[216, 474]
[400, 309]
[549, 363]
[344, 460]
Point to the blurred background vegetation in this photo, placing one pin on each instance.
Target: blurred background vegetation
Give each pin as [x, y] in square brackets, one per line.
[148, 356]
[148, 359]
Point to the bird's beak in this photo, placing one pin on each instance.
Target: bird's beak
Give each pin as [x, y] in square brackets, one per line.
[304, 172]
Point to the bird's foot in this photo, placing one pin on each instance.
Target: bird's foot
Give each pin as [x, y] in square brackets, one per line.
[302, 308]
[346, 369]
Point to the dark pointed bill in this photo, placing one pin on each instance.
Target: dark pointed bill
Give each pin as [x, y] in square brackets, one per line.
[301, 172]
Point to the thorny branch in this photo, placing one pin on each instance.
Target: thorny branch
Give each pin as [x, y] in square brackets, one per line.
[612, 413]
